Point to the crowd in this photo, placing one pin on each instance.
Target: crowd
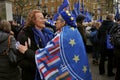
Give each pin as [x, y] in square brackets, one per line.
[46, 50]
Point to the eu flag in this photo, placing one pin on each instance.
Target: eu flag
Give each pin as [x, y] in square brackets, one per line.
[65, 4]
[64, 58]
[88, 17]
[55, 16]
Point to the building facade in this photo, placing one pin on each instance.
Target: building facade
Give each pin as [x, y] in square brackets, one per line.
[97, 8]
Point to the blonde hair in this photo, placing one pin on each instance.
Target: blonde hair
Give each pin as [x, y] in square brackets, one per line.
[5, 26]
[31, 18]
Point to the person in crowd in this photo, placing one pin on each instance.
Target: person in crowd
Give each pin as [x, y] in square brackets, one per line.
[15, 28]
[94, 40]
[80, 18]
[104, 52]
[34, 35]
[64, 57]
[87, 32]
[115, 40]
[8, 70]
[118, 20]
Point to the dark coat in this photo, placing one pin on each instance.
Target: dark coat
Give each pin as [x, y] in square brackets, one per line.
[81, 29]
[105, 28]
[7, 71]
[27, 60]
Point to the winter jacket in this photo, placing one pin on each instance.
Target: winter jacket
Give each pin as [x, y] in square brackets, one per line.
[105, 28]
[27, 60]
[7, 71]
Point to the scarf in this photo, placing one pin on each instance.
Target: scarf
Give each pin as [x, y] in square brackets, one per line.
[42, 36]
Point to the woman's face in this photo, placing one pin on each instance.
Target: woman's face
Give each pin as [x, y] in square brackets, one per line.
[59, 23]
[39, 20]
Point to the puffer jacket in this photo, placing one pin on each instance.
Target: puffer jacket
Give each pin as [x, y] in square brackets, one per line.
[7, 71]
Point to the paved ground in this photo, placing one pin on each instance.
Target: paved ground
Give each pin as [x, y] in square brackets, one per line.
[95, 71]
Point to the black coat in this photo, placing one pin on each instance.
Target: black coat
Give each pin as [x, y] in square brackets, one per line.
[105, 28]
[27, 60]
[7, 71]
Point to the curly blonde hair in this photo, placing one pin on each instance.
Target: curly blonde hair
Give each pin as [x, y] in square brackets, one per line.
[31, 18]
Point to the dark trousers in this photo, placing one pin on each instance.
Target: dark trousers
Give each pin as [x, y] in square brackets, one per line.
[103, 55]
[117, 61]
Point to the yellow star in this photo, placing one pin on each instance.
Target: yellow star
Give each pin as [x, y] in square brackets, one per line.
[72, 42]
[67, 11]
[69, 14]
[76, 58]
[84, 69]
[72, 28]
[72, 18]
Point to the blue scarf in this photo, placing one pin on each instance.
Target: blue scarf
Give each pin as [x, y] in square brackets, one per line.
[42, 36]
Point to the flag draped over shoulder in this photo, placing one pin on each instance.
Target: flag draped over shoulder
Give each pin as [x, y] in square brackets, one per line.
[64, 58]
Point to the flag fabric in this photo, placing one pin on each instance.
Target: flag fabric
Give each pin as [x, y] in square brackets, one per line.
[78, 7]
[55, 16]
[65, 4]
[75, 14]
[74, 11]
[51, 25]
[88, 17]
[64, 57]
[82, 9]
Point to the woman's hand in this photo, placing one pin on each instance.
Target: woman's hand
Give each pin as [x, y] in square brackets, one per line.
[23, 48]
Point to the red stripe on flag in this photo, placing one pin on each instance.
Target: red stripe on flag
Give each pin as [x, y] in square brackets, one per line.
[56, 39]
[55, 52]
[52, 48]
[68, 78]
[49, 71]
[52, 59]
[42, 59]
[41, 68]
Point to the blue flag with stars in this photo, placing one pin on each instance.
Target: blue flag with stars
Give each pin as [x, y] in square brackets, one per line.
[74, 54]
[64, 57]
[65, 4]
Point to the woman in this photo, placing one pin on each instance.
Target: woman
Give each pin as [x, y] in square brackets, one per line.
[8, 71]
[33, 36]
[64, 56]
